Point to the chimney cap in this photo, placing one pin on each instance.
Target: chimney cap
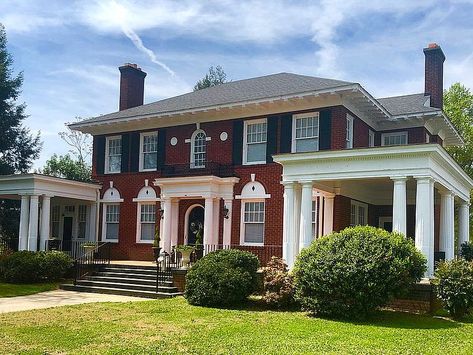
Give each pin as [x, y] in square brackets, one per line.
[130, 65]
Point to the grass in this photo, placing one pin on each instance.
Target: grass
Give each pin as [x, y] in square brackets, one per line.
[172, 326]
[12, 290]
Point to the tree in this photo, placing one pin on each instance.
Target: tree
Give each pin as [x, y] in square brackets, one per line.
[458, 105]
[18, 147]
[214, 77]
[64, 166]
[80, 143]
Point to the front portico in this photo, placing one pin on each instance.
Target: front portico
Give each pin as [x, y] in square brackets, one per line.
[405, 185]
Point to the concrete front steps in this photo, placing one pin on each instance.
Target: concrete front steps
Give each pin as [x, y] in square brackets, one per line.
[125, 280]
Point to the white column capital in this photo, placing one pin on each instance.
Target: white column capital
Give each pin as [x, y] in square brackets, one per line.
[398, 179]
[288, 184]
[423, 179]
[307, 184]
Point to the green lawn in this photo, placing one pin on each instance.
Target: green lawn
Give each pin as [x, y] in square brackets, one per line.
[172, 326]
[12, 290]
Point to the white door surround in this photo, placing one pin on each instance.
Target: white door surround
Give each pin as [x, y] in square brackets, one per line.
[186, 220]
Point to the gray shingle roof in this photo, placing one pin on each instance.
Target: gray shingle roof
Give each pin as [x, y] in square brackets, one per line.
[236, 91]
[405, 104]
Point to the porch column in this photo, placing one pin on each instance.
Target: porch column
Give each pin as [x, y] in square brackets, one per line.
[24, 218]
[306, 216]
[92, 222]
[328, 214]
[208, 223]
[463, 222]
[174, 221]
[33, 224]
[216, 221]
[424, 234]
[320, 216]
[399, 205]
[167, 225]
[447, 229]
[288, 225]
[227, 223]
[297, 218]
[45, 218]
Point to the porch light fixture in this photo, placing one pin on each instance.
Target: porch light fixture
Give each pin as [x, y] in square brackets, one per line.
[225, 212]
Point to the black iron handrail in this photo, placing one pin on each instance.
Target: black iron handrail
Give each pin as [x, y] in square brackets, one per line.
[91, 260]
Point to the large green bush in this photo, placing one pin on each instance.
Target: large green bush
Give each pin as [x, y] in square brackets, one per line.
[466, 251]
[29, 266]
[454, 286]
[278, 284]
[351, 273]
[224, 277]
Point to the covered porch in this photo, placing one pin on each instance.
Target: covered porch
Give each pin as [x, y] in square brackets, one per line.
[54, 212]
[414, 190]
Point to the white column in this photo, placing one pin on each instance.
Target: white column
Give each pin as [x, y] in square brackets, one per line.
[216, 221]
[24, 218]
[227, 223]
[328, 214]
[288, 225]
[45, 218]
[424, 234]
[297, 218]
[92, 222]
[447, 227]
[463, 222]
[399, 205]
[306, 216]
[208, 221]
[167, 230]
[174, 221]
[320, 215]
[33, 224]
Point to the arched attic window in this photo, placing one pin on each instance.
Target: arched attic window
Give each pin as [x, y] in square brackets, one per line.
[253, 197]
[146, 214]
[198, 149]
[111, 214]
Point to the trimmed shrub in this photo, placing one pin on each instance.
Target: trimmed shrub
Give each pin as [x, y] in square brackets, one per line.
[29, 266]
[454, 286]
[278, 284]
[466, 251]
[351, 273]
[221, 278]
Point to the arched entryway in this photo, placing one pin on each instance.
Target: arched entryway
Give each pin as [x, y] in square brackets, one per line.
[194, 221]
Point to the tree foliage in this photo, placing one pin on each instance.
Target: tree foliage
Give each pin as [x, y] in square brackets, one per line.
[214, 77]
[64, 166]
[80, 143]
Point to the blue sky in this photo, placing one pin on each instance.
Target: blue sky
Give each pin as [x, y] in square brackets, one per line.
[69, 51]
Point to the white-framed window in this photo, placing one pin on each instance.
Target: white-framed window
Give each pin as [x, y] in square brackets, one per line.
[82, 222]
[253, 222]
[314, 218]
[305, 132]
[148, 151]
[147, 221]
[113, 151]
[394, 138]
[358, 213]
[112, 221]
[349, 132]
[370, 138]
[254, 141]
[198, 149]
[55, 221]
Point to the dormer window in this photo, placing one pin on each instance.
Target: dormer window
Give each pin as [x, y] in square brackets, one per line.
[198, 149]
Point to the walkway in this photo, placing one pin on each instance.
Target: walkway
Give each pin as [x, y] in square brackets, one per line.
[57, 298]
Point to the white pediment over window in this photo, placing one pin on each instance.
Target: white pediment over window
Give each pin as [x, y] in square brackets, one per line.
[253, 190]
[111, 195]
[147, 193]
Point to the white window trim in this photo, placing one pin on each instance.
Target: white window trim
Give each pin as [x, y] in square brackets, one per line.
[359, 204]
[138, 222]
[242, 222]
[104, 222]
[349, 139]
[304, 115]
[142, 135]
[107, 167]
[245, 139]
[371, 138]
[192, 157]
[391, 134]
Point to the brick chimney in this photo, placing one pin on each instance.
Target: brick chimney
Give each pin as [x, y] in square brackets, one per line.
[434, 59]
[132, 85]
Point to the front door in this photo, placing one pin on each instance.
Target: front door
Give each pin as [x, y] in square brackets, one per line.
[195, 224]
[67, 234]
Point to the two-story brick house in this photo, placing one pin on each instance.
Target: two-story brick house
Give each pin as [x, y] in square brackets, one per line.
[272, 162]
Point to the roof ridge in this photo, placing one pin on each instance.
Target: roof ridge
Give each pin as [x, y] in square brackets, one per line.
[391, 97]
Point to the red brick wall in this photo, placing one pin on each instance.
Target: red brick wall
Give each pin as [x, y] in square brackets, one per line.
[341, 212]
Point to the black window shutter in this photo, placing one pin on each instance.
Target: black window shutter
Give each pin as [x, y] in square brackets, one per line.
[134, 151]
[272, 136]
[125, 152]
[325, 130]
[161, 148]
[286, 134]
[237, 152]
[99, 148]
